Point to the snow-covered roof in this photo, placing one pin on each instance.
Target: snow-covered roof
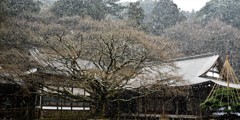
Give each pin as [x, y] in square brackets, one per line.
[225, 84]
[6, 78]
[58, 66]
[185, 71]
[191, 70]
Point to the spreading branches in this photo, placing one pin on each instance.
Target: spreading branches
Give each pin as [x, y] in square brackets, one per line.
[102, 63]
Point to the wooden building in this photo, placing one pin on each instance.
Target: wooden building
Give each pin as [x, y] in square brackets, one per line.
[51, 103]
[17, 100]
[181, 97]
[180, 86]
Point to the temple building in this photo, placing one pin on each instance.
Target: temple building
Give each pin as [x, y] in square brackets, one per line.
[173, 90]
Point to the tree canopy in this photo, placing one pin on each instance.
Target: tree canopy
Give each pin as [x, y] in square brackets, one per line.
[114, 49]
[164, 15]
[97, 9]
[135, 13]
[18, 7]
[116, 54]
[225, 10]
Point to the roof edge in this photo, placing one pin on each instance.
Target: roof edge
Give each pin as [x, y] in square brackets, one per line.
[192, 57]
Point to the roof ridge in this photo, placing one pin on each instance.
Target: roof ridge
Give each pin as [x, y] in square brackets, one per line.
[192, 57]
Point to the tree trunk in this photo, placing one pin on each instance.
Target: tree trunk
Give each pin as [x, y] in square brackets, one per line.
[100, 109]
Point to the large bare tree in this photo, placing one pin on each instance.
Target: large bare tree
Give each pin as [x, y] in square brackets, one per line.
[102, 63]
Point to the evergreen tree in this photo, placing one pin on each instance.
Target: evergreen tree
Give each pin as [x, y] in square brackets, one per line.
[164, 15]
[97, 9]
[13, 8]
[17, 7]
[225, 10]
[135, 13]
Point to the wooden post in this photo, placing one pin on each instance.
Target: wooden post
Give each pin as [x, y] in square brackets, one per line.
[84, 93]
[138, 106]
[145, 109]
[71, 103]
[41, 102]
[154, 103]
[163, 107]
[118, 109]
[177, 107]
[58, 98]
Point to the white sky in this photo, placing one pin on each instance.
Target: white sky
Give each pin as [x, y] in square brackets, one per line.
[187, 5]
[190, 5]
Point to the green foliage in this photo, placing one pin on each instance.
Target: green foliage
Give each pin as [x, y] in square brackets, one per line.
[97, 9]
[211, 103]
[223, 98]
[2, 9]
[18, 7]
[135, 13]
[225, 10]
[113, 7]
[164, 15]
